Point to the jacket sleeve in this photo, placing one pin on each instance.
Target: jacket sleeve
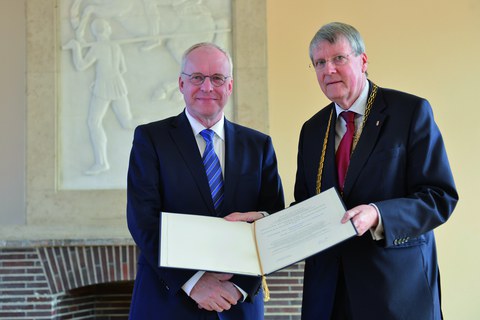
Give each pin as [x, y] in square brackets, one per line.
[429, 193]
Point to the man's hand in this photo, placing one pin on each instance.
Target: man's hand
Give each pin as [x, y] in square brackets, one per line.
[363, 217]
[213, 292]
[244, 216]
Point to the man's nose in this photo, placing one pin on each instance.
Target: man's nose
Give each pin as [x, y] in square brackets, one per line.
[330, 67]
[207, 85]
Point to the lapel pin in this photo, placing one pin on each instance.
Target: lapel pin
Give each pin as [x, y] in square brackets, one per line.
[378, 122]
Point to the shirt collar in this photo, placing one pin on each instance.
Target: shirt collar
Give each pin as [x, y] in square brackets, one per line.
[197, 127]
[359, 105]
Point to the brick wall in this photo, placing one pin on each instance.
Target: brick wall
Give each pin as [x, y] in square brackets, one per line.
[24, 289]
[78, 281]
[285, 293]
[44, 282]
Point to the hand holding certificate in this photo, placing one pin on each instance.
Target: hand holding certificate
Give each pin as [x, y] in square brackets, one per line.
[258, 248]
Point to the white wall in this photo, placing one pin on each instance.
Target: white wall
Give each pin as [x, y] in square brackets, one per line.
[12, 110]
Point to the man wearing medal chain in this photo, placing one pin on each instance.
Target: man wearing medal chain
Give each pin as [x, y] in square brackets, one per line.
[397, 186]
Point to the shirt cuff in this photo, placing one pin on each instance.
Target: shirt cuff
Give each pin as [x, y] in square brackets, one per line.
[244, 294]
[188, 286]
[377, 232]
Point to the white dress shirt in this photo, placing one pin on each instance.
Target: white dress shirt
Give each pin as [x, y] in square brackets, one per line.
[358, 107]
[219, 147]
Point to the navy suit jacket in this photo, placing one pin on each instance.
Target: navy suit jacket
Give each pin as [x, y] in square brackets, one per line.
[166, 173]
[400, 164]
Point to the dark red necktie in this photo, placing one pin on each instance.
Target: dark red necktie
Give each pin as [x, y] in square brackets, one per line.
[345, 147]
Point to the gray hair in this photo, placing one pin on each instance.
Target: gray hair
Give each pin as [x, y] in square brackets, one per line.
[208, 45]
[333, 31]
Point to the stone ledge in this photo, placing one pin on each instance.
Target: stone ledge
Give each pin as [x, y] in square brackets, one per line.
[47, 236]
[12, 244]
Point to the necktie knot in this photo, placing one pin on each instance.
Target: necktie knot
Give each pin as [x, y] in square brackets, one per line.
[348, 116]
[207, 135]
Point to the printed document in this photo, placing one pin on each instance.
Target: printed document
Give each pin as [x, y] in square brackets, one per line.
[190, 241]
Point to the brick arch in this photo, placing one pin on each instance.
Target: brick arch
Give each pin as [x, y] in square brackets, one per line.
[70, 267]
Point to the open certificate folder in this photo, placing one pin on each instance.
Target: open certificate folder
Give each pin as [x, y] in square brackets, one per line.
[260, 248]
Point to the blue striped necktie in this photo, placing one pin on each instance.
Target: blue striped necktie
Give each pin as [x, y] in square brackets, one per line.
[213, 169]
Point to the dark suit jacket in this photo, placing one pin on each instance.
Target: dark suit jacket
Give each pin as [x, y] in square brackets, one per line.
[399, 164]
[166, 173]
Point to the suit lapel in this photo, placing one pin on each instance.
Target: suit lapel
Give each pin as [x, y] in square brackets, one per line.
[182, 134]
[233, 150]
[367, 142]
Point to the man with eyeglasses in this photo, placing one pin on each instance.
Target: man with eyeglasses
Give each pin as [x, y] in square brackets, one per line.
[198, 163]
[384, 153]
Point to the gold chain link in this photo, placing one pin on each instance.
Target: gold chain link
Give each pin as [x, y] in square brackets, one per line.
[322, 157]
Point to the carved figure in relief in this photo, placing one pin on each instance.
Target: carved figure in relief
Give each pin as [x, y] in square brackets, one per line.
[108, 88]
[99, 8]
[170, 25]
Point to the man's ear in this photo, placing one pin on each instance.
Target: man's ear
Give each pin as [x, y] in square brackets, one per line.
[180, 83]
[364, 62]
[230, 86]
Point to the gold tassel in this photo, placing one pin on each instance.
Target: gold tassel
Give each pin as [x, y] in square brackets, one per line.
[266, 292]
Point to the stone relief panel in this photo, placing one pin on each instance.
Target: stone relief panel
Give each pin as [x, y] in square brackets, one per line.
[118, 65]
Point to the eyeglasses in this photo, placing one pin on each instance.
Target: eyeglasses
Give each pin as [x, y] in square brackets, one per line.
[339, 60]
[197, 78]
